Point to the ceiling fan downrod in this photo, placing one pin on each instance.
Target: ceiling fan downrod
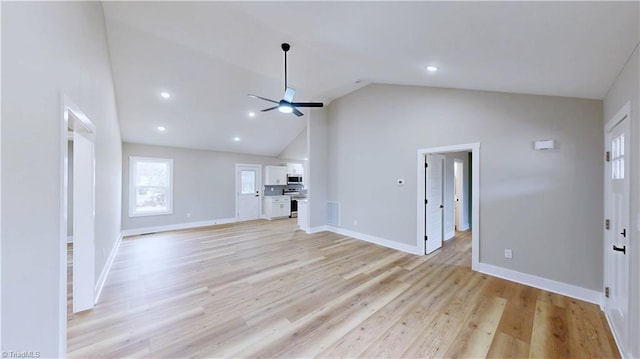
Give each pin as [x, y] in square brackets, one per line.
[285, 47]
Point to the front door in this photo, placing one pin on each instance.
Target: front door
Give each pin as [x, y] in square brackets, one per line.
[248, 183]
[617, 251]
[434, 202]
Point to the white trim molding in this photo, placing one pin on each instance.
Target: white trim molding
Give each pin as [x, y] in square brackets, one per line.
[174, 227]
[588, 295]
[317, 229]
[106, 269]
[376, 240]
[615, 335]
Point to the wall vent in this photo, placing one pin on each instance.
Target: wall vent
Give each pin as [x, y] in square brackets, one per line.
[333, 214]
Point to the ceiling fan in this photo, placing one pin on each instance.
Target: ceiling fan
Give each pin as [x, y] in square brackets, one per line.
[286, 105]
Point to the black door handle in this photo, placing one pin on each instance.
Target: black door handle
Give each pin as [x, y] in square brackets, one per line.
[441, 206]
[624, 232]
[618, 249]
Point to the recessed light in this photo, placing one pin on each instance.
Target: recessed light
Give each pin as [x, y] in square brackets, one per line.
[161, 128]
[432, 68]
[165, 94]
[236, 139]
[252, 114]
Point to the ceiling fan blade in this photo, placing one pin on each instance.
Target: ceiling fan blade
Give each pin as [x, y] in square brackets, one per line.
[297, 112]
[288, 94]
[263, 98]
[269, 109]
[307, 104]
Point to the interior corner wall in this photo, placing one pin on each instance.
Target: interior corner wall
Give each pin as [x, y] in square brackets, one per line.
[317, 167]
[297, 149]
[544, 205]
[203, 184]
[50, 49]
[627, 89]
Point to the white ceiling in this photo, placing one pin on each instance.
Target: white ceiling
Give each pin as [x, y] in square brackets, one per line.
[210, 55]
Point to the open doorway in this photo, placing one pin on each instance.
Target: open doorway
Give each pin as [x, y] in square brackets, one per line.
[78, 229]
[450, 221]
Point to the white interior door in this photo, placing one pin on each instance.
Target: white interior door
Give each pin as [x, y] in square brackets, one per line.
[83, 223]
[617, 254]
[248, 184]
[434, 202]
[458, 193]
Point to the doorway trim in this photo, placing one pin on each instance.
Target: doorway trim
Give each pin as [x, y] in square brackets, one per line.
[624, 114]
[72, 117]
[474, 148]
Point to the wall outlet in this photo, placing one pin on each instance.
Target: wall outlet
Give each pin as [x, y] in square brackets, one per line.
[508, 253]
[188, 214]
[355, 222]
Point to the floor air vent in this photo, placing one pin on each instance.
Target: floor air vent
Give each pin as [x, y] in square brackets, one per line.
[333, 213]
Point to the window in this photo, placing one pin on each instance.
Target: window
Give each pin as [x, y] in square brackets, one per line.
[617, 158]
[248, 181]
[150, 186]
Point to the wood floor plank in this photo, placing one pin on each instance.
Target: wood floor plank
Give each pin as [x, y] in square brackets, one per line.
[550, 334]
[507, 347]
[478, 331]
[265, 289]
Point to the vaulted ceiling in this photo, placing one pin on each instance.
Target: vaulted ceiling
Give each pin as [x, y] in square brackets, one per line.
[209, 55]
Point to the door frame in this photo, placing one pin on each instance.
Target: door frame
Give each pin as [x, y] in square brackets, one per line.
[259, 186]
[71, 117]
[474, 148]
[624, 114]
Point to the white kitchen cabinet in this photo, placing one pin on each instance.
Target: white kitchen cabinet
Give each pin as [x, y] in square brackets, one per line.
[275, 176]
[277, 206]
[295, 169]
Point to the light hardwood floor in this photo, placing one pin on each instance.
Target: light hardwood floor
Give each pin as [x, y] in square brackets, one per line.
[263, 289]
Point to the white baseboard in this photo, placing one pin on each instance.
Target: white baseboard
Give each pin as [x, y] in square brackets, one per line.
[376, 240]
[106, 269]
[623, 354]
[174, 227]
[588, 295]
[317, 229]
[69, 239]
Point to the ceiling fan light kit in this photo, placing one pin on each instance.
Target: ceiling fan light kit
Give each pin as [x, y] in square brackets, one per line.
[286, 105]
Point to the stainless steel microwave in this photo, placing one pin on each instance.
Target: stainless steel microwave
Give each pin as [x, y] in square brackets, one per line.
[294, 179]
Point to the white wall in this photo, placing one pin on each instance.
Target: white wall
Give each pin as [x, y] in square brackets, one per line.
[316, 170]
[49, 49]
[626, 89]
[297, 149]
[204, 184]
[545, 206]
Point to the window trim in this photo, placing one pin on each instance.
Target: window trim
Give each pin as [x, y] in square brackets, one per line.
[133, 160]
